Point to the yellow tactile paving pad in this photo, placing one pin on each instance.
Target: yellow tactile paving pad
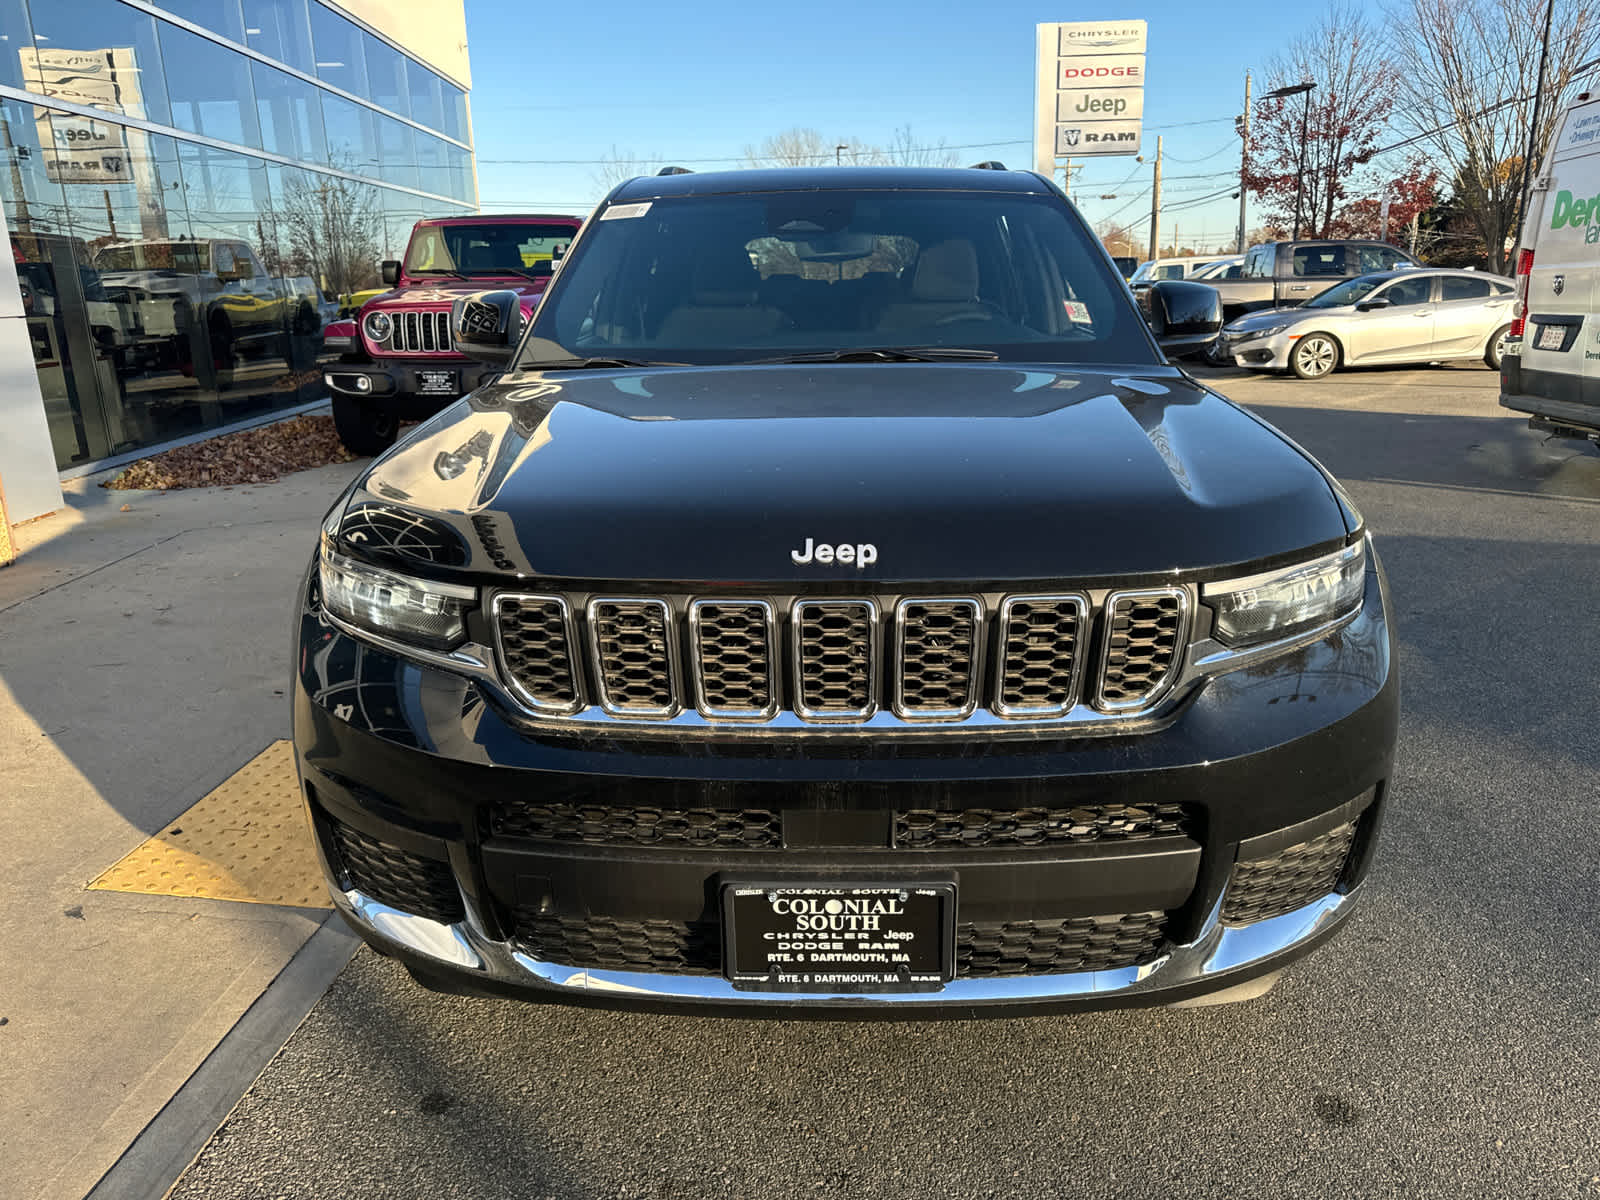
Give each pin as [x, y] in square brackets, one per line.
[247, 840]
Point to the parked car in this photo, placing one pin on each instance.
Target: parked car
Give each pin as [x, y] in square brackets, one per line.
[840, 604]
[1126, 264]
[1172, 268]
[1385, 317]
[1231, 267]
[1283, 274]
[402, 361]
[1551, 370]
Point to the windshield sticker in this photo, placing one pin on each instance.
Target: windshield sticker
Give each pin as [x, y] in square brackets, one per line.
[1078, 312]
[625, 212]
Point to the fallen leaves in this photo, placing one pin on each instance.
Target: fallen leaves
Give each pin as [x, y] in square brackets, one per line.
[250, 456]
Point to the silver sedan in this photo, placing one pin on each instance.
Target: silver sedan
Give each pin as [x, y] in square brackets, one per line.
[1408, 316]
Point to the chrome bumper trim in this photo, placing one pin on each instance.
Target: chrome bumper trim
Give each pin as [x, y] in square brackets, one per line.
[1212, 959]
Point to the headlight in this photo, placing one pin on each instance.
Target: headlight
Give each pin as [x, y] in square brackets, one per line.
[401, 606]
[378, 326]
[1280, 604]
[1269, 331]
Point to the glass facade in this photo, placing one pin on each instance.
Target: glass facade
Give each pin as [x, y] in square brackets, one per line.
[188, 194]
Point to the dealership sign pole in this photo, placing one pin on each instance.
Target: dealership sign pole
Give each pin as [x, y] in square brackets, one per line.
[1088, 91]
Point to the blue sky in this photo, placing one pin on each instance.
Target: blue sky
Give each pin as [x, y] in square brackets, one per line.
[685, 82]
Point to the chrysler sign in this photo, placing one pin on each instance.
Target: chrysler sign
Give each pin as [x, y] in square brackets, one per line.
[1089, 90]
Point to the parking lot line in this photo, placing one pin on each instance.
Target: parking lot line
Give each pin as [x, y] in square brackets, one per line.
[246, 840]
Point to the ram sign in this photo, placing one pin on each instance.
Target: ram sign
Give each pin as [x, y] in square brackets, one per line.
[1089, 90]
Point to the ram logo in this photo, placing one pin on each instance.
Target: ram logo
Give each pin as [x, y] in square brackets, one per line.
[1071, 136]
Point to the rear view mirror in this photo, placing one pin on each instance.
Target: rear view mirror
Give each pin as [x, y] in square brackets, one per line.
[391, 272]
[1185, 316]
[487, 325]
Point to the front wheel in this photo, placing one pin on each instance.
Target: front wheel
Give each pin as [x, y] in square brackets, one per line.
[1313, 356]
[1496, 350]
[364, 426]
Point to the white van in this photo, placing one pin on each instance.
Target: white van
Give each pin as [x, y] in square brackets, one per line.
[1174, 268]
[1551, 366]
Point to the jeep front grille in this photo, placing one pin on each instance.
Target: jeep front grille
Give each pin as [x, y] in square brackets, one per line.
[787, 661]
[418, 332]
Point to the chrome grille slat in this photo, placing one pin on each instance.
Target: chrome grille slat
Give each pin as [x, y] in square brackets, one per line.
[421, 332]
[1041, 654]
[1102, 659]
[535, 639]
[836, 659]
[735, 665]
[1142, 646]
[938, 658]
[634, 656]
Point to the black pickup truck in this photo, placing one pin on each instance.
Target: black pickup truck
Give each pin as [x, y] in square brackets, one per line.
[840, 605]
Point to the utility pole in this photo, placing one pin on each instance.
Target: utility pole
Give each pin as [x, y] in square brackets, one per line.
[1066, 180]
[1155, 206]
[1244, 160]
[1533, 134]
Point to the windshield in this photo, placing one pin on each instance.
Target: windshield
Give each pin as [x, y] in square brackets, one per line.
[498, 249]
[736, 278]
[1351, 291]
[187, 258]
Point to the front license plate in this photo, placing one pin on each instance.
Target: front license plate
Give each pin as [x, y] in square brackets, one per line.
[828, 937]
[436, 383]
[1551, 337]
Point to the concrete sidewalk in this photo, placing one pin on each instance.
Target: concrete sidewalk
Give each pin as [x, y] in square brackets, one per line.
[144, 658]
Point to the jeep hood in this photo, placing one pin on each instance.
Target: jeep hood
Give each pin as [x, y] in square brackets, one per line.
[445, 291]
[953, 472]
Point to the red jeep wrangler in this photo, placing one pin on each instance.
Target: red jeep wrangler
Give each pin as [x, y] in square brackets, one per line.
[398, 359]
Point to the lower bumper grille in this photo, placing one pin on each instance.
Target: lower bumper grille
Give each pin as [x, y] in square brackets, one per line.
[989, 948]
[753, 828]
[983, 949]
[396, 877]
[670, 947]
[1294, 877]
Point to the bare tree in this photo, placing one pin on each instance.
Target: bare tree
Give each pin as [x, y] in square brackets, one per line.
[618, 166]
[808, 148]
[1120, 239]
[1312, 148]
[332, 229]
[904, 151]
[1468, 72]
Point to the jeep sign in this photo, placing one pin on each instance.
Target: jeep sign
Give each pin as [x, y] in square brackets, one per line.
[1100, 104]
[1089, 90]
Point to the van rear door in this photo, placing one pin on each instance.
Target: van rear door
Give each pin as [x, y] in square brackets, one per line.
[1559, 347]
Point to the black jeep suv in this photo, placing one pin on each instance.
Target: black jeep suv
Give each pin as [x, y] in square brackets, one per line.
[839, 604]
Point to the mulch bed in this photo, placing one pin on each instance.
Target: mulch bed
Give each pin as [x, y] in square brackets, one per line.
[250, 456]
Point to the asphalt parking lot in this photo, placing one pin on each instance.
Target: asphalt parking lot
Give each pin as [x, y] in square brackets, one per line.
[1445, 1044]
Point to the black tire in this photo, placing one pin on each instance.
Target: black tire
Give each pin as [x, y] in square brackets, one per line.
[364, 426]
[1495, 350]
[1315, 356]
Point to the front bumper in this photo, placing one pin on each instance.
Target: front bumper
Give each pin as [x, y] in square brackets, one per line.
[404, 381]
[1264, 763]
[1269, 353]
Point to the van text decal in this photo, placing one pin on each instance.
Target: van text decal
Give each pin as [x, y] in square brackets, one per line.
[1574, 212]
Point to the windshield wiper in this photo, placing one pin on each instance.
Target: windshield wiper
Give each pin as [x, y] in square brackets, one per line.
[522, 271]
[438, 271]
[888, 354]
[590, 364]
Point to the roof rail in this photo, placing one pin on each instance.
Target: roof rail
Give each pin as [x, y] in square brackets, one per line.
[990, 164]
[674, 171]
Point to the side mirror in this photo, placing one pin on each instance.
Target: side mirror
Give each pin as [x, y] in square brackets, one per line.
[487, 325]
[1185, 316]
[1371, 305]
[391, 272]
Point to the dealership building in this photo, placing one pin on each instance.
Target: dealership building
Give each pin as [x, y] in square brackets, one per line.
[189, 188]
